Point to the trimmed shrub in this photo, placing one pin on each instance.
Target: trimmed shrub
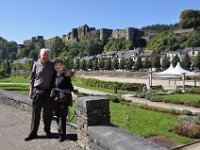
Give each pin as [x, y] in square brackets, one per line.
[178, 91]
[141, 95]
[187, 112]
[195, 103]
[114, 99]
[188, 130]
[110, 85]
[163, 110]
[196, 114]
[194, 91]
[118, 99]
[185, 119]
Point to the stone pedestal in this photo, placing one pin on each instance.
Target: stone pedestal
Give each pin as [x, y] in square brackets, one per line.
[91, 111]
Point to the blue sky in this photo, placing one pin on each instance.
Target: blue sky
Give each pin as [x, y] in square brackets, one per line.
[23, 19]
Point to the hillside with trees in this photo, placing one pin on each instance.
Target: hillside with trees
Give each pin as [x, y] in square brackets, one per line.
[164, 39]
[168, 40]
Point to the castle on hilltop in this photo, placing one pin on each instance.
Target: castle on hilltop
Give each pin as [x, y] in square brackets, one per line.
[104, 34]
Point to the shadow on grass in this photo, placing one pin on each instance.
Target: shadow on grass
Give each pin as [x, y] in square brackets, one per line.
[14, 89]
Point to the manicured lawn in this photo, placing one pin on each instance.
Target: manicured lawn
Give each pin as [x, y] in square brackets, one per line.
[15, 79]
[142, 122]
[138, 121]
[22, 89]
[22, 79]
[145, 122]
[185, 99]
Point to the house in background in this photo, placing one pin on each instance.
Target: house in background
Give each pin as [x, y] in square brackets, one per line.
[180, 53]
[151, 54]
[192, 51]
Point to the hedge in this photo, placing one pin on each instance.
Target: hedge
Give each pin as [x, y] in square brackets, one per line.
[109, 84]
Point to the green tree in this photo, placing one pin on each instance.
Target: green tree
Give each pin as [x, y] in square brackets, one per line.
[122, 64]
[194, 39]
[108, 64]
[57, 47]
[175, 60]
[165, 62]
[186, 62]
[77, 64]
[147, 63]
[101, 63]
[190, 19]
[95, 64]
[138, 64]
[34, 54]
[27, 67]
[8, 68]
[156, 62]
[83, 65]
[115, 64]
[89, 64]
[118, 44]
[196, 62]
[129, 64]
[164, 40]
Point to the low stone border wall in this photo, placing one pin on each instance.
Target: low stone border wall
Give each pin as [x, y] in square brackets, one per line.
[96, 133]
[15, 100]
[93, 124]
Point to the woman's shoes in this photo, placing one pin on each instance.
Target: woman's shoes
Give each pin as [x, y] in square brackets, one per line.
[61, 138]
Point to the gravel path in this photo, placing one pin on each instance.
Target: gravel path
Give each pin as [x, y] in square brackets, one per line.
[143, 101]
[165, 83]
[159, 104]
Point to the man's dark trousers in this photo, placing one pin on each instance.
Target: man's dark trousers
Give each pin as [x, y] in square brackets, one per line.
[39, 102]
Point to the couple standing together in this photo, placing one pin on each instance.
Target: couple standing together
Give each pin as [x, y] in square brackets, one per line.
[50, 89]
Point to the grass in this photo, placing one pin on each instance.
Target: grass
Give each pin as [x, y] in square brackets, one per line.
[22, 79]
[145, 123]
[15, 79]
[185, 99]
[22, 89]
[141, 122]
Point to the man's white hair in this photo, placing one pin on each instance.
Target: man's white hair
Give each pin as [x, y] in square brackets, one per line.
[43, 50]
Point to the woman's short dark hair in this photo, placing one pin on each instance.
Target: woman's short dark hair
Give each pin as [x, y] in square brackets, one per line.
[59, 61]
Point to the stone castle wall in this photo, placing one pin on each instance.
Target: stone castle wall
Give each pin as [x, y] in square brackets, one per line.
[103, 34]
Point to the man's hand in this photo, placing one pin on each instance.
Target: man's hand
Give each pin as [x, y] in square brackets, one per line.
[68, 73]
[74, 95]
[30, 94]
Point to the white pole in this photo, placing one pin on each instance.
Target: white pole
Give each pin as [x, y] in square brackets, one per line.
[183, 78]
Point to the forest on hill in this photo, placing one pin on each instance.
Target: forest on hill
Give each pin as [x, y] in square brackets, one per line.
[163, 39]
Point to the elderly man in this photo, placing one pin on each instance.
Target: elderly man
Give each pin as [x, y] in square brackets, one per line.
[40, 88]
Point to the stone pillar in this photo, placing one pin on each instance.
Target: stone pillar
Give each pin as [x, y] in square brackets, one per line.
[91, 111]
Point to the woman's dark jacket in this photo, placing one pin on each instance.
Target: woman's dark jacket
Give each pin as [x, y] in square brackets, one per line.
[63, 82]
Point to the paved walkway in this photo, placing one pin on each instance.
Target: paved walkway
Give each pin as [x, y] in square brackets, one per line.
[195, 146]
[14, 127]
[19, 123]
[159, 104]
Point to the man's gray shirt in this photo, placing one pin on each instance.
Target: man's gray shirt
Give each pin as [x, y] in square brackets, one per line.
[42, 75]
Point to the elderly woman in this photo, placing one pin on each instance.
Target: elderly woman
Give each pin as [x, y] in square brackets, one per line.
[62, 94]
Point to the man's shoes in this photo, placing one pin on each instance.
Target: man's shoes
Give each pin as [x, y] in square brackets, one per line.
[48, 134]
[30, 137]
[61, 138]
